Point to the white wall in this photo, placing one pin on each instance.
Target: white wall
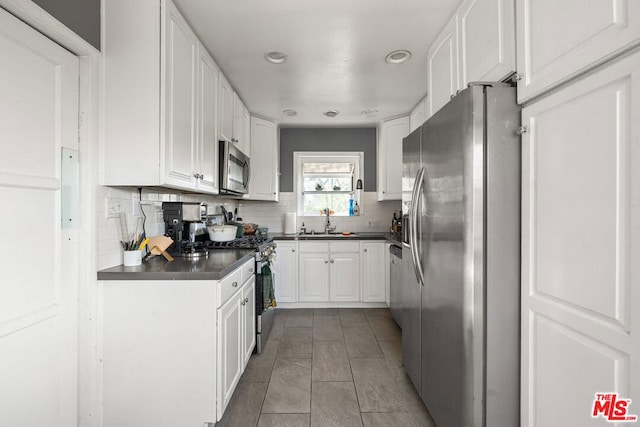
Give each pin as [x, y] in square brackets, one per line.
[270, 214]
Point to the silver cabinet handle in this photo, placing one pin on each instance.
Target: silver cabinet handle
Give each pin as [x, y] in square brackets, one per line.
[326, 261]
[365, 250]
[246, 300]
[293, 250]
[234, 284]
[243, 303]
[332, 261]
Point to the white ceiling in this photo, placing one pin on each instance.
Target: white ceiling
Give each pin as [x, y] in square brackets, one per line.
[336, 54]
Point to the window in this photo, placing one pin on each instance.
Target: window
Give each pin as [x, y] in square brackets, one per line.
[327, 180]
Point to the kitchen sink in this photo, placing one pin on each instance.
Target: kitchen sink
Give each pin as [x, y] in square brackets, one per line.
[332, 235]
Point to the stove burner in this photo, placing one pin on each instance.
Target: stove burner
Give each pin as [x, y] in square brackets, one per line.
[192, 250]
[246, 242]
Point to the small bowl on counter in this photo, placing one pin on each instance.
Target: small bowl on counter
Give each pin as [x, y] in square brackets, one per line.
[222, 233]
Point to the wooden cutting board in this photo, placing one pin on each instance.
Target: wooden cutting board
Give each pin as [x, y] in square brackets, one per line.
[158, 246]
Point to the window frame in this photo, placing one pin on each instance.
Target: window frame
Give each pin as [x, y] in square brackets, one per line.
[300, 157]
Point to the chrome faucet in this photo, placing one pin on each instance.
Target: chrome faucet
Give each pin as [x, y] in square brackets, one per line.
[327, 225]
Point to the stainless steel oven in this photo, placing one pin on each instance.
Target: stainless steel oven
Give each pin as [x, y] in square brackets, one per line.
[234, 170]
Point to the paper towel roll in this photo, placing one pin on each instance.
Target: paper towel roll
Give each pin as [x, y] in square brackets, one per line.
[290, 223]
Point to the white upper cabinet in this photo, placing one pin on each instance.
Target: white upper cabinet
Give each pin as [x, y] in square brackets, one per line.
[418, 115]
[263, 177]
[487, 46]
[558, 40]
[241, 126]
[226, 110]
[160, 100]
[207, 118]
[390, 158]
[442, 68]
[181, 70]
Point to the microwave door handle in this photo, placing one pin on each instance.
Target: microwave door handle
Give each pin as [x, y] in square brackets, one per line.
[246, 168]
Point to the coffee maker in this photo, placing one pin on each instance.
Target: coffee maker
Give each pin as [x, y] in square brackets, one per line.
[184, 223]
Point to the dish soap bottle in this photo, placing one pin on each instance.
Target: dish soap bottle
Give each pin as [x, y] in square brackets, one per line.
[356, 209]
[351, 208]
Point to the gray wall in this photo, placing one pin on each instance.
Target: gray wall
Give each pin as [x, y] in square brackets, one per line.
[81, 16]
[327, 139]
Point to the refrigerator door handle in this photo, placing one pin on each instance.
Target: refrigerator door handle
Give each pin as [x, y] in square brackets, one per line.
[417, 217]
[412, 231]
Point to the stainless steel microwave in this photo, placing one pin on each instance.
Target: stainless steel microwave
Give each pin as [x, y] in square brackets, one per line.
[234, 170]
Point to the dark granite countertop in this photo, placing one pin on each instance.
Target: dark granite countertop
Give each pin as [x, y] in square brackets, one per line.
[366, 235]
[218, 264]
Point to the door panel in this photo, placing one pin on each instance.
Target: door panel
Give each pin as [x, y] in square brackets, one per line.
[555, 44]
[38, 295]
[581, 234]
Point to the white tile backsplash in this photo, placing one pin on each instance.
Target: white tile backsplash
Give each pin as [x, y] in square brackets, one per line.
[271, 214]
[127, 200]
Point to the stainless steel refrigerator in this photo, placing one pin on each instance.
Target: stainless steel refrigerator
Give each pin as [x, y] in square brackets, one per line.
[461, 197]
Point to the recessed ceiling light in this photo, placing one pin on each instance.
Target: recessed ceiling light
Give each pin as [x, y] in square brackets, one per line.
[331, 113]
[368, 111]
[289, 112]
[275, 57]
[398, 57]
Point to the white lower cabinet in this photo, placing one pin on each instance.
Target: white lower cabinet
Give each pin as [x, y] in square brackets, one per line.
[236, 338]
[286, 271]
[172, 351]
[329, 271]
[375, 272]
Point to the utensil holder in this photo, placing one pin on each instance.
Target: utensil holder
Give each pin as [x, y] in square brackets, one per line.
[132, 258]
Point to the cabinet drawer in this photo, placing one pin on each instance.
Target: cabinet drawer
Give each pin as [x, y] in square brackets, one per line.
[345, 246]
[229, 286]
[248, 270]
[313, 246]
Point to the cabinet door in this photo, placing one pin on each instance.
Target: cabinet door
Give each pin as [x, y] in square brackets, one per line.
[442, 68]
[229, 350]
[238, 125]
[390, 158]
[181, 68]
[286, 272]
[263, 180]
[344, 276]
[487, 40]
[314, 277]
[226, 110]
[249, 319]
[558, 40]
[374, 272]
[581, 246]
[418, 115]
[208, 119]
[246, 123]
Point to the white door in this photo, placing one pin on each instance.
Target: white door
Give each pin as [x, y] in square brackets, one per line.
[374, 272]
[487, 40]
[229, 350]
[314, 277]
[264, 160]
[286, 265]
[559, 39]
[442, 68]
[344, 276]
[249, 319]
[38, 258]
[225, 121]
[580, 248]
[390, 155]
[181, 68]
[208, 121]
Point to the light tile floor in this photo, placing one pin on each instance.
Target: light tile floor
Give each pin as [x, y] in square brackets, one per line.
[328, 367]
